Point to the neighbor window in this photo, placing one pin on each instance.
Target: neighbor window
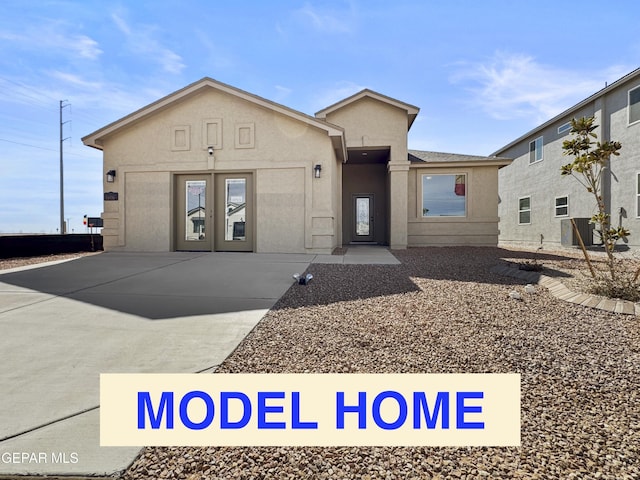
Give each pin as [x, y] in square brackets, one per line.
[634, 105]
[535, 150]
[562, 206]
[444, 195]
[524, 210]
[638, 195]
[564, 128]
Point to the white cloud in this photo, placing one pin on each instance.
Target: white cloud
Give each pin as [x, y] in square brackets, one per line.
[335, 94]
[324, 21]
[141, 40]
[510, 86]
[51, 36]
[282, 93]
[86, 47]
[76, 80]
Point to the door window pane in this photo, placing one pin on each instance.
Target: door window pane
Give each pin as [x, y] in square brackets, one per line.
[196, 196]
[235, 198]
[362, 216]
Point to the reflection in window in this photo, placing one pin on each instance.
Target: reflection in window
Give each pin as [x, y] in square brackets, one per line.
[362, 213]
[535, 150]
[196, 195]
[235, 198]
[524, 210]
[562, 206]
[634, 105]
[638, 195]
[444, 195]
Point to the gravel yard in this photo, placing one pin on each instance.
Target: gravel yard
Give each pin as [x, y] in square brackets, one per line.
[6, 263]
[442, 311]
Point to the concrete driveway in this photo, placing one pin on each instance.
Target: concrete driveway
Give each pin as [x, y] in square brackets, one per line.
[63, 325]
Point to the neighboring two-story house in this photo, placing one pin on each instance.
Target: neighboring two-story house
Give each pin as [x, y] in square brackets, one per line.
[535, 198]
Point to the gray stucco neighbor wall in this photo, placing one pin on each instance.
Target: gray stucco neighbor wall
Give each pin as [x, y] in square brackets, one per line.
[542, 183]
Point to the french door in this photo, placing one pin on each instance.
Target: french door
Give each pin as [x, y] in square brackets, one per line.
[234, 212]
[193, 213]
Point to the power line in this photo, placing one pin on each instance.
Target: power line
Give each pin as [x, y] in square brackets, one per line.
[39, 99]
[40, 148]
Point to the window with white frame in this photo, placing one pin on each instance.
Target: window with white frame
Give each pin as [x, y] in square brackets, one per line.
[564, 128]
[638, 195]
[562, 206]
[634, 105]
[535, 150]
[444, 195]
[524, 210]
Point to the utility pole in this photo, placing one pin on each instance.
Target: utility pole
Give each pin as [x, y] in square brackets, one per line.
[62, 139]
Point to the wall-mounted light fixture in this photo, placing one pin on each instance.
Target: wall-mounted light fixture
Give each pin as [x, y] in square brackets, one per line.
[210, 150]
[316, 171]
[111, 176]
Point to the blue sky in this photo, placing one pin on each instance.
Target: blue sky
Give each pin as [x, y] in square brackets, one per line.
[482, 72]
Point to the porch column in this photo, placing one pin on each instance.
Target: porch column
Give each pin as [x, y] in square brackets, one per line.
[398, 198]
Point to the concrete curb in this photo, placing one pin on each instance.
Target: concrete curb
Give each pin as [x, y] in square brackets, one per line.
[561, 292]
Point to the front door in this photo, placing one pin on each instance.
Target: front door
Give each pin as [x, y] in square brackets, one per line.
[363, 217]
[234, 212]
[193, 217]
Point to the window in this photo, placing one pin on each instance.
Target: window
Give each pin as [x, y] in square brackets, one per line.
[535, 150]
[634, 105]
[638, 195]
[444, 195]
[564, 128]
[562, 206]
[524, 211]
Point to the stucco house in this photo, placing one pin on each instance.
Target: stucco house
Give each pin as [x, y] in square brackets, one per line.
[214, 168]
[535, 199]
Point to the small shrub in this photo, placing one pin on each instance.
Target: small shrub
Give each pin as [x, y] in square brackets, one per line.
[531, 266]
[625, 286]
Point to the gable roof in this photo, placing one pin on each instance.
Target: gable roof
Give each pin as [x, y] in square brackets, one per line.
[335, 132]
[412, 111]
[628, 77]
[438, 159]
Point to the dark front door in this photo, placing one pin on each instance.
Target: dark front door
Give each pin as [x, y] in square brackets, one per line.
[363, 215]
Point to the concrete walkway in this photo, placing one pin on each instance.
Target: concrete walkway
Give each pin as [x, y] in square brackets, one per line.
[63, 324]
[362, 255]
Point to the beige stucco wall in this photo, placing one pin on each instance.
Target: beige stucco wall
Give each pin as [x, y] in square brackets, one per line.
[369, 122]
[479, 227]
[294, 211]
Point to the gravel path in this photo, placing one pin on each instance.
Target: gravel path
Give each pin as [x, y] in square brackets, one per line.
[443, 311]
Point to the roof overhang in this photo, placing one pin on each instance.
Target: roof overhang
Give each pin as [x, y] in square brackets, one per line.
[422, 159]
[335, 132]
[411, 110]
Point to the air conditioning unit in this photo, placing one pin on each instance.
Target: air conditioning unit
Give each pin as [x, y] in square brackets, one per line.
[568, 235]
